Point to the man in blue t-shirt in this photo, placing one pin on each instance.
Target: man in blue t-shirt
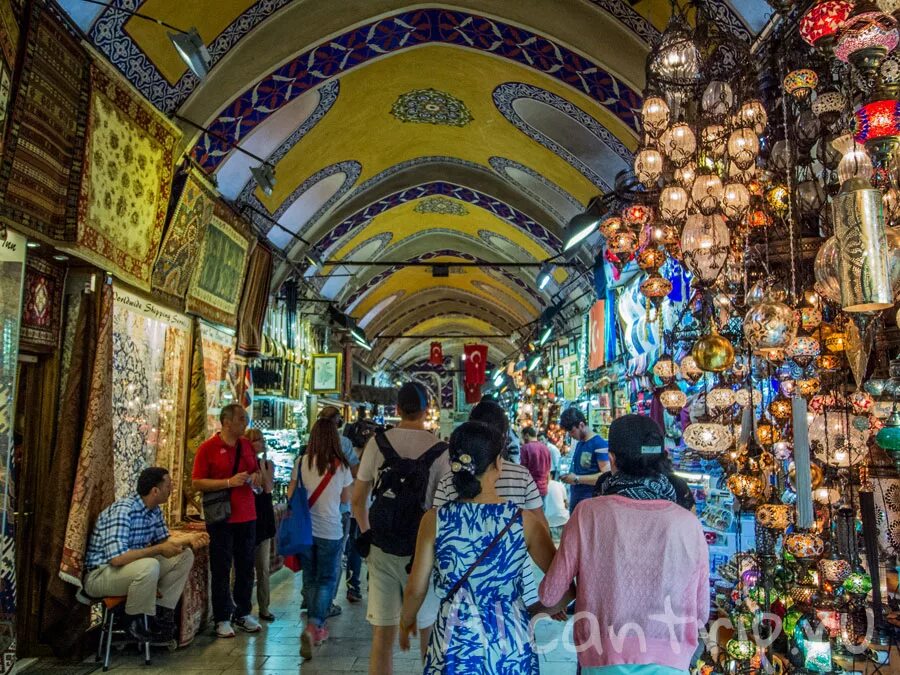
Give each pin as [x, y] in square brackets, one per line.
[590, 457]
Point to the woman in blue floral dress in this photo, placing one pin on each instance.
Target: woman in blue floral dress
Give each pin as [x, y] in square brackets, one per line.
[484, 626]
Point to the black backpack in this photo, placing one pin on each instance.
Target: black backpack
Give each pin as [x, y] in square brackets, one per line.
[399, 497]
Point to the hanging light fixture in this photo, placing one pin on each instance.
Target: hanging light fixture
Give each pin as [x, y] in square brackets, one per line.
[821, 22]
[676, 61]
[801, 83]
[545, 276]
[583, 225]
[192, 50]
[866, 37]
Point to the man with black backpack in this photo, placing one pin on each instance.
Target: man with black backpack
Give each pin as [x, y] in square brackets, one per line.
[400, 468]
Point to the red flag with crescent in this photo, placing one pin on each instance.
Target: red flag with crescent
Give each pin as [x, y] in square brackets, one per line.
[437, 354]
[473, 392]
[476, 363]
[596, 356]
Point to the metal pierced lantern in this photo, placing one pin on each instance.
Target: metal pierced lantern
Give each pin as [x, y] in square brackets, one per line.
[735, 201]
[780, 408]
[624, 242]
[708, 437]
[676, 61]
[673, 204]
[651, 258]
[829, 105]
[717, 98]
[679, 143]
[690, 371]
[704, 245]
[655, 115]
[752, 114]
[822, 21]
[865, 39]
[769, 325]
[743, 147]
[745, 486]
[800, 83]
[648, 166]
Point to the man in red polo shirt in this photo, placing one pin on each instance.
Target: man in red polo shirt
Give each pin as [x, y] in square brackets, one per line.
[234, 539]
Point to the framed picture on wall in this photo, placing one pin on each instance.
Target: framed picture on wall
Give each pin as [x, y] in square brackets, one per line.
[560, 388]
[327, 373]
[561, 371]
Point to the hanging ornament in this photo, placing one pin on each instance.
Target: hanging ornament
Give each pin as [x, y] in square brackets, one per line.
[828, 106]
[704, 245]
[611, 226]
[648, 165]
[679, 143]
[866, 37]
[651, 259]
[673, 399]
[769, 325]
[655, 288]
[821, 22]
[690, 371]
[858, 219]
[655, 115]
[720, 398]
[673, 204]
[713, 353]
[801, 83]
[709, 438]
[858, 345]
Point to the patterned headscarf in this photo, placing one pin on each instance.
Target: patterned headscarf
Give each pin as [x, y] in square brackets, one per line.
[636, 487]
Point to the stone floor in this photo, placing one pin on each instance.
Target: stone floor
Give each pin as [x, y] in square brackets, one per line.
[275, 651]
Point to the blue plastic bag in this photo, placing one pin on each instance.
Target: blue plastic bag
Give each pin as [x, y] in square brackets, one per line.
[295, 533]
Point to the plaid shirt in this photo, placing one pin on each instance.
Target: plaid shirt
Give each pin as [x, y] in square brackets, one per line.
[123, 526]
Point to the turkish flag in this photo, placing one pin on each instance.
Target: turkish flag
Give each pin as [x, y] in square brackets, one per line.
[476, 363]
[437, 354]
[597, 338]
[473, 392]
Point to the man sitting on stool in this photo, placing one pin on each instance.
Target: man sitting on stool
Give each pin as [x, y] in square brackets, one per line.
[131, 553]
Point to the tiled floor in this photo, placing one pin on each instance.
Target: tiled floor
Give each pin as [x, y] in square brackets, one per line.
[276, 650]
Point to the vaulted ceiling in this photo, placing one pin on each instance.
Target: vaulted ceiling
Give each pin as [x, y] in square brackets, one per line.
[406, 135]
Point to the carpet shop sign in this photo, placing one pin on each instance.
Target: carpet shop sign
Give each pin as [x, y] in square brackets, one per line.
[151, 310]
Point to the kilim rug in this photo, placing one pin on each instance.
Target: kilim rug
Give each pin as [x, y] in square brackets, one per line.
[254, 302]
[42, 306]
[41, 169]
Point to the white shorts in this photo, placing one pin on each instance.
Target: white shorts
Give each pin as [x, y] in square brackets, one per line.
[387, 579]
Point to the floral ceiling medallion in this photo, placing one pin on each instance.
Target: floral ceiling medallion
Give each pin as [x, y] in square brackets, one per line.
[430, 106]
[441, 205]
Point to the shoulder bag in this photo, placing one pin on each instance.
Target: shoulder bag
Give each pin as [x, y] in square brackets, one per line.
[295, 532]
[217, 504]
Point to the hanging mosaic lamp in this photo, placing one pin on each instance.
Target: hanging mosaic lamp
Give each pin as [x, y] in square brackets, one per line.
[767, 434]
[637, 215]
[774, 516]
[655, 288]
[835, 570]
[779, 199]
[804, 545]
[859, 230]
[611, 226]
[710, 438]
[801, 83]
[746, 487]
[822, 21]
[858, 584]
[720, 398]
[651, 259]
[743, 397]
[888, 438]
[665, 368]
[673, 399]
[648, 166]
[877, 125]
[690, 371]
[780, 408]
[866, 37]
[741, 650]
[803, 349]
[655, 115]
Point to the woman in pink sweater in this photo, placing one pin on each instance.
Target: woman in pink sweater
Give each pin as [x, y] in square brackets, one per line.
[641, 564]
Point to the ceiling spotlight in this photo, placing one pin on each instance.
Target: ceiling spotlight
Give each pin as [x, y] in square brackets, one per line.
[498, 379]
[60, 257]
[264, 176]
[192, 51]
[314, 260]
[535, 360]
[583, 225]
[548, 331]
[545, 275]
[33, 244]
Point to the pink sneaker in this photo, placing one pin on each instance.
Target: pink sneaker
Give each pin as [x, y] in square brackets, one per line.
[321, 634]
[307, 640]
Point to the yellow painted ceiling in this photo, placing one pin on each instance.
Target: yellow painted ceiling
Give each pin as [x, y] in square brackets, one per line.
[417, 279]
[435, 325]
[360, 126]
[184, 14]
[403, 221]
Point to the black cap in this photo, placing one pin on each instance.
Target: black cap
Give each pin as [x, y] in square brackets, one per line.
[635, 436]
[412, 398]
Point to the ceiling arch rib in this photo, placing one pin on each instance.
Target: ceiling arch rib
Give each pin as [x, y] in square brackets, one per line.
[403, 31]
[545, 192]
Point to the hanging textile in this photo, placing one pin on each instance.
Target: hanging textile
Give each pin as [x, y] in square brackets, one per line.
[194, 202]
[215, 288]
[12, 273]
[197, 430]
[64, 619]
[597, 323]
[41, 305]
[149, 358]
[254, 302]
[94, 488]
[220, 372]
[436, 358]
[473, 392]
[127, 180]
[40, 174]
[476, 363]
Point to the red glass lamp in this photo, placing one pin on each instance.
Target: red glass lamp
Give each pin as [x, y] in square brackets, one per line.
[821, 22]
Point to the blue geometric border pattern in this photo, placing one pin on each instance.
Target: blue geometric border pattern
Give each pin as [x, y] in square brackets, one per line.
[498, 208]
[350, 168]
[381, 276]
[504, 96]
[500, 164]
[400, 32]
[328, 94]
[723, 14]
[109, 36]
